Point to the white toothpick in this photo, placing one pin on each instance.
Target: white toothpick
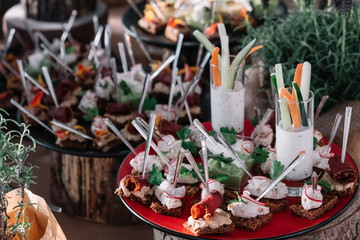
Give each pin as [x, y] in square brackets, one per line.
[346, 132]
[50, 85]
[123, 57]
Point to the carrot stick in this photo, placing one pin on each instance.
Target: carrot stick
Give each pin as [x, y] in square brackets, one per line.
[297, 77]
[293, 107]
[215, 67]
[253, 50]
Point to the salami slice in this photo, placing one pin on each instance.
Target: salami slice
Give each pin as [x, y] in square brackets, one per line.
[135, 183]
[62, 114]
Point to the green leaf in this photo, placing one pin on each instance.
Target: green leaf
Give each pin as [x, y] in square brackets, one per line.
[93, 112]
[183, 133]
[276, 169]
[239, 199]
[201, 168]
[315, 143]
[184, 171]
[254, 122]
[323, 183]
[70, 50]
[155, 176]
[149, 104]
[220, 157]
[189, 146]
[211, 133]
[125, 88]
[229, 135]
[260, 155]
[165, 152]
[220, 177]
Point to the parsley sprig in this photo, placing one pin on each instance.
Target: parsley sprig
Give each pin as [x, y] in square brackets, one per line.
[155, 176]
[183, 134]
[238, 200]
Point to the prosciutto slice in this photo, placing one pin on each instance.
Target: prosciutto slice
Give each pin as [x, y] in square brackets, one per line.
[206, 208]
[62, 114]
[169, 128]
[342, 172]
[118, 108]
[135, 183]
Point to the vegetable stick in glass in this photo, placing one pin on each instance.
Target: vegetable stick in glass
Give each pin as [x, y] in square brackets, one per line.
[298, 96]
[297, 76]
[305, 80]
[239, 58]
[215, 69]
[293, 107]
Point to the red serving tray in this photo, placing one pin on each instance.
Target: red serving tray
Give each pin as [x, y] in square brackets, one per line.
[282, 225]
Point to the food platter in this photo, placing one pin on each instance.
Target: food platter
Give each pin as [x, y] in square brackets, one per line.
[283, 225]
[130, 18]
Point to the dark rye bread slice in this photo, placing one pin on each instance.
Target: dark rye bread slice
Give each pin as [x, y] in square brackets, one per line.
[192, 190]
[251, 224]
[210, 231]
[275, 205]
[163, 210]
[146, 201]
[73, 144]
[346, 192]
[329, 201]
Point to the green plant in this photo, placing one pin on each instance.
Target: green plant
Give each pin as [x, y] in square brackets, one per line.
[328, 39]
[14, 172]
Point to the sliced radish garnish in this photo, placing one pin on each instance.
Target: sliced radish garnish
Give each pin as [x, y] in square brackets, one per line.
[307, 195]
[246, 195]
[177, 193]
[248, 146]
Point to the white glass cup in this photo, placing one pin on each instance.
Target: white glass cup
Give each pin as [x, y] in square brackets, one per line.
[228, 100]
[291, 140]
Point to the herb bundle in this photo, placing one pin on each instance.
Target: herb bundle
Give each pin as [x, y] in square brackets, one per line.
[328, 39]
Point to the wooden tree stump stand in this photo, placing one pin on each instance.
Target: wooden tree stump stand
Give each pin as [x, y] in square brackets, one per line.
[84, 187]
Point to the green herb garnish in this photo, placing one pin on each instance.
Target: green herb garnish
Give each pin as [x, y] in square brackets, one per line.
[189, 146]
[220, 157]
[323, 183]
[238, 200]
[254, 122]
[149, 104]
[183, 133]
[260, 155]
[276, 169]
[315, 143]
[125, 88]
[229, 135]
[155, 176]
[220, 177]
[184, 171]
[92, 112]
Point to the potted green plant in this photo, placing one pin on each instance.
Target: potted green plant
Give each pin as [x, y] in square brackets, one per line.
[14, 173]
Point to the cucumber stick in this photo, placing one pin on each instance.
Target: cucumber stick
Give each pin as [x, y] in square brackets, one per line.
[273, 80]
[226, 81]
[204, 41]
[285, 114]
[304, 120]
[279, 77]
[305, 80]
[240, 57]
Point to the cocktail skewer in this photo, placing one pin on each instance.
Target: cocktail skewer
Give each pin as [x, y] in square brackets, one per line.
[334, 130]
[69, 25]
[321, 105]
[33, 81]
[174, 73]
[123, 57]
[57, 59]
[263, 121]
[108, 122]
[314, 181]
[346, 132]
[204, 157]
[234, 155]
[114, 73]
[188, 112]
[9, 39]
[143, 93]
[95, 20]
[135, 8]
[107, 40]
[23, 80]
[192, 161]
[30, 115]
[293, 164]
[50, 85]
[141, 44]
[96, 42]
[127, 41]
[70, 129]
[148, 143]
[153, 145]
[179, 161]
